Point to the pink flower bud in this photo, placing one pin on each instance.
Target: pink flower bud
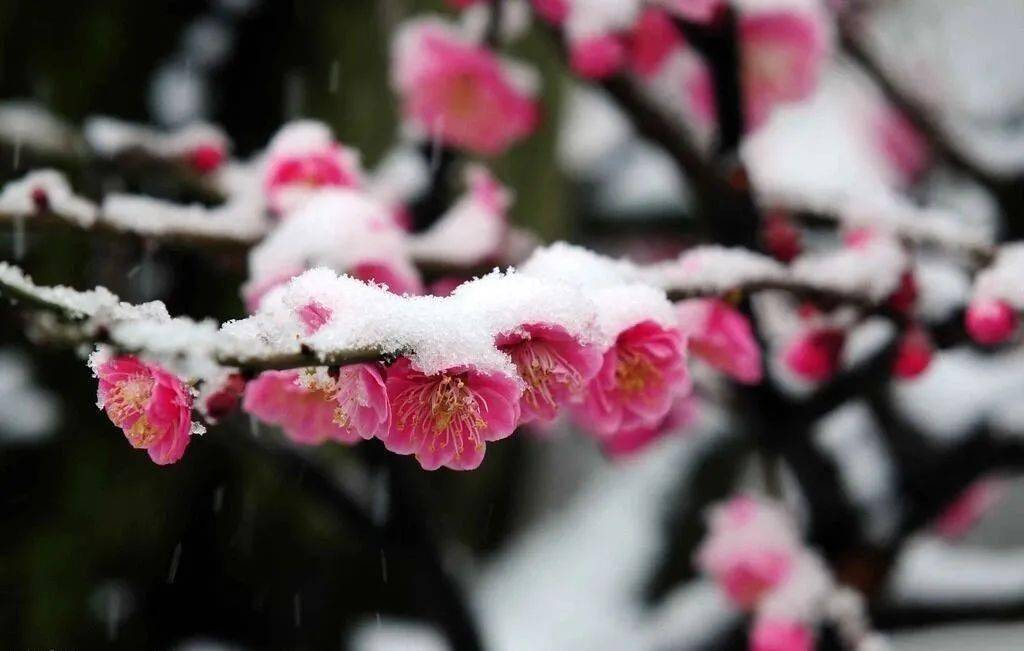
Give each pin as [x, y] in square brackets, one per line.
[206, 158]
[781, 238]
[225, 399]
[914, 354]
[815, 355]
[991, 321]
[905, 296]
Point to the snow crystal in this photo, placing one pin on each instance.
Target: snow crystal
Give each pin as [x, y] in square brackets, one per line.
[46, 191]
[579, 266]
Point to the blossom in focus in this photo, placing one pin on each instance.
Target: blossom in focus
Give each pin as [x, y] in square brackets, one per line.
[303, 157]
[777, 634]
[751, 548]
[991, 321]
[627, 442]
[814, 354]
[554, 364]
[720, 335]
[460, 93]
[914, 353]
[447, 418]
[152, 406]
[961, 516]
[782, 54]
[642, 373]
[312, 406]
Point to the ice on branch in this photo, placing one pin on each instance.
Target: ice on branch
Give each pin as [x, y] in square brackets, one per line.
[46, 192]
[202, 146]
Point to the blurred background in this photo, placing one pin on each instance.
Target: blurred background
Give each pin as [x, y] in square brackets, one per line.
[565, 548]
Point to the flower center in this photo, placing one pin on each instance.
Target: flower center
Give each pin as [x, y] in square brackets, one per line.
[543, 370]
[634, 372]
[128, 400]
[463, 96]
[446, 409]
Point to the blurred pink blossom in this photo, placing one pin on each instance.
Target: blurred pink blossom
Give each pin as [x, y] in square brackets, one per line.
[815, 354]
[627, 442]
[991, 321]
[721, 336]
[302, 157]
[459, 92]
[751, 547]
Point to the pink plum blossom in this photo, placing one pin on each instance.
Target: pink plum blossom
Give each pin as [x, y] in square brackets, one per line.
[782, 54]
[303, 157]
[446, 419]
[991, 321]
[554, 364]
[152, 406]
[397, 280]
[627, 442]
[961, 516]
[254, 290]
[642, 373]
[459, 92]
[721, 336]
[312, 406]
[815, 354]
[598, 56]
[905, 297]
[750, 549]
[777, 634]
